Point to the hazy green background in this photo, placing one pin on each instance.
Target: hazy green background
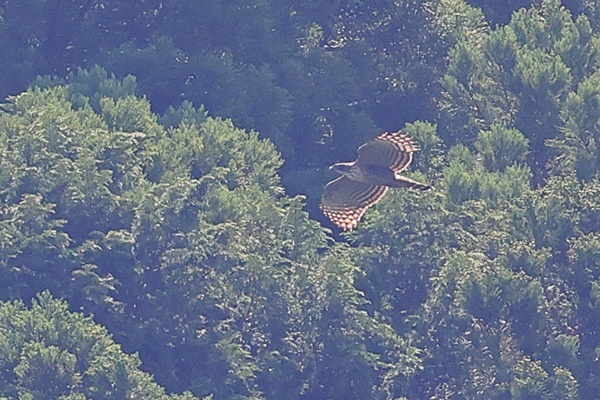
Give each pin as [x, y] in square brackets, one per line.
[160, 167]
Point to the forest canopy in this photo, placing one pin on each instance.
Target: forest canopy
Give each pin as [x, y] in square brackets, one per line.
[160, 167]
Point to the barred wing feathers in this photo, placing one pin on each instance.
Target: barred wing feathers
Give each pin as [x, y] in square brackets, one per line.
[392, 150]
[345, 201]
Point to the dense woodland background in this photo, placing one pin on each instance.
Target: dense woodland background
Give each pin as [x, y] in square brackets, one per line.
[160, 166]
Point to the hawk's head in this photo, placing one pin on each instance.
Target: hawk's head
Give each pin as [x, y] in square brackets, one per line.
[342, 168]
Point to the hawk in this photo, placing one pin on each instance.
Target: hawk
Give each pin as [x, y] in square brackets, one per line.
[365, 181]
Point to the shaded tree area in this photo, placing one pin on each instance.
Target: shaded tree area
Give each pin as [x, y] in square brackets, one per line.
[50, 353]
[175, 234]
[317, 79]
[124, 192]
[495, 273]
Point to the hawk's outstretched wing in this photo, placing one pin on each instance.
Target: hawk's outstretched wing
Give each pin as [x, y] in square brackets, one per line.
[365, 181]
[345, 201]
[392, 150]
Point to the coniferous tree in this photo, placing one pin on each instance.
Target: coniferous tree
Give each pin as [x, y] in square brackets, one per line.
[179, 239]
[49, 352]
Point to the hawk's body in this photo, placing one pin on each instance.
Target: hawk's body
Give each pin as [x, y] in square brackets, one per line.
[365, 181]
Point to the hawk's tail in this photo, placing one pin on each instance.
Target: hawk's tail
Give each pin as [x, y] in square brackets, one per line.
[402, 181]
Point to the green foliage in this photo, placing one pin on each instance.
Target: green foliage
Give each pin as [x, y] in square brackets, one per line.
[175, 232]
[315, 79]
[490, 275]
[525, 75]
[49, 352]
[501, 147]
[496, 174]
[186, 114]
[96, 83]
[577, 148]
[180, 240]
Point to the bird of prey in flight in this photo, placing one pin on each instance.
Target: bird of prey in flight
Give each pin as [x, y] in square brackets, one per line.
[364, 182]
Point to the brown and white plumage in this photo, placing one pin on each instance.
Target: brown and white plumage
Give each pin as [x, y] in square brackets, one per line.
[365, 181]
